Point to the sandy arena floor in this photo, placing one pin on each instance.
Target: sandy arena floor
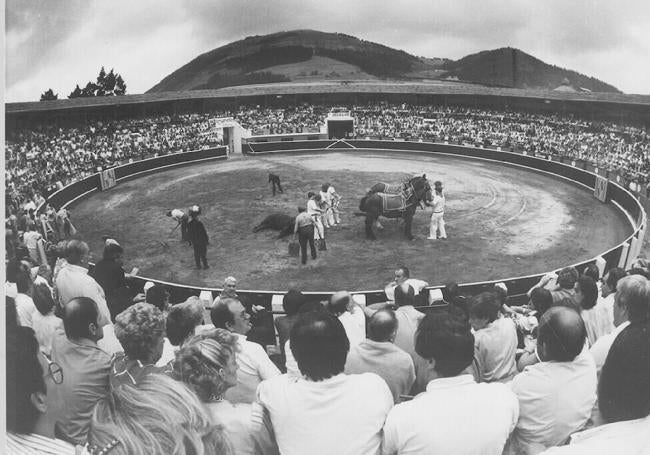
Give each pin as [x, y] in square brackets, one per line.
[501, 221]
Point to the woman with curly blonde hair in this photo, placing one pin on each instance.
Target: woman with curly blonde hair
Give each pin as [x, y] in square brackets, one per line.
[207, 363]
[156, 416]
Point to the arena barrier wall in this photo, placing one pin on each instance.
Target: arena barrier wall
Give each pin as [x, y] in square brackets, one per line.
[271, 300]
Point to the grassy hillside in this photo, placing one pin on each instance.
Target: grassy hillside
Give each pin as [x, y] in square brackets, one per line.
[309, 55]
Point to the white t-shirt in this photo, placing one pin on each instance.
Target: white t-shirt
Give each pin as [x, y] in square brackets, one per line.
[25, 308]
[555, 400]
[455, 415]
[354, 323]
[341, 415]
[601, 347]
[495, 350]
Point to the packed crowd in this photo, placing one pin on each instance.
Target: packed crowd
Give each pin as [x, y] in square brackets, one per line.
[40, 160]
[97, 365]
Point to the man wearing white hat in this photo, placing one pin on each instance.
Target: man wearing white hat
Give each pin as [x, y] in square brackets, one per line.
[198, 237]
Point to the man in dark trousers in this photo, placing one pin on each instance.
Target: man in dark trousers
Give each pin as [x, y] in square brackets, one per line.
[275, 180]
[305, 228]
[197, 237]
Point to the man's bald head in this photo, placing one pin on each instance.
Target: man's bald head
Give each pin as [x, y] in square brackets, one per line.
[339, 302]
[78, 314]
[382, 326]
[562, 334]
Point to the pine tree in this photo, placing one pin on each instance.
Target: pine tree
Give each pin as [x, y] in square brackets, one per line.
[49, 95]
[76, 93]
[120, 86]
[101, 83]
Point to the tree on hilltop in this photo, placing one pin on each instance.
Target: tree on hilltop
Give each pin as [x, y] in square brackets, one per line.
[108, 84]
[49, 95]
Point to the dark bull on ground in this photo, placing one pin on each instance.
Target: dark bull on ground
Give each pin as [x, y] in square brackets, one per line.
[277, 222]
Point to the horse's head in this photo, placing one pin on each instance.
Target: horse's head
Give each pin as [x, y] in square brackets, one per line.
[421, 188]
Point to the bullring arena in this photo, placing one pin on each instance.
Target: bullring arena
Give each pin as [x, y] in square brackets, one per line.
[500, 218]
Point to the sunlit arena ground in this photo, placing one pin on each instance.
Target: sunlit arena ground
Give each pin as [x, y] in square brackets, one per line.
[501, 220]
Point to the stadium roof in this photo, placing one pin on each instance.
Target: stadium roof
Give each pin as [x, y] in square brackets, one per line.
[303, 88]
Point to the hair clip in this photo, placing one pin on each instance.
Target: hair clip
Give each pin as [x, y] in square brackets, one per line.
[94, 449]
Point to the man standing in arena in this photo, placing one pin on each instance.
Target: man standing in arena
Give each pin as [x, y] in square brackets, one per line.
[198, 237]
[182, 219]
[437, 221]
[314, 210]
[326, 205]
[275, 181]
[304, 227]
[335, 200]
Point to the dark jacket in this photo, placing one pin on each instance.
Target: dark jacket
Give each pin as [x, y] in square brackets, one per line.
[196, 234]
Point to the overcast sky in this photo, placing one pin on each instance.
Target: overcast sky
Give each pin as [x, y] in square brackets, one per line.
[59, 43]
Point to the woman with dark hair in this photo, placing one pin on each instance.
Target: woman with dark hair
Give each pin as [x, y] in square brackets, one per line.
[594, 315]
[623, 400]
[44, 322]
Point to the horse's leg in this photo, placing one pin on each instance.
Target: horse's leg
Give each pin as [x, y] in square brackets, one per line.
[408, 220]
[370, 220]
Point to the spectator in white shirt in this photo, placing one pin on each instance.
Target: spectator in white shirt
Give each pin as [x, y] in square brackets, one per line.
[379, 355]
[495, 339]
[624, 400]
[595, 316]
[325, 412]
[631, 305]
[24, 303]
[455, 414]
[31, 239]
[403, 276]
[253, 364]
[73, 280]
[555, 395]
[608, 292]
[351, 316]
[44, 322]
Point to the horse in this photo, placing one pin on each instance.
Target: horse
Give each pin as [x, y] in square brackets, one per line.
[388, 188]
[401, 205]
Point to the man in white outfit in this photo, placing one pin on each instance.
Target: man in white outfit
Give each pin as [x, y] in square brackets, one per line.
[437, 221]
[314, 210]
[335, 200]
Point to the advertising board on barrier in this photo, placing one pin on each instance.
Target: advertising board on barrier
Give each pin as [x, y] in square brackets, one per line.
[107, 178]
[600, 189]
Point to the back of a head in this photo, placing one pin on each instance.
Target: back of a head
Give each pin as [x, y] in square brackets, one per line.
[160, 415]
[485, 306]
[382, 326]
[589, 291]
[78, 314]
[220, 313]
[404, 295]
[567, 277]
[591, 270]
[24, 377]
[634, 293]
[42, 297]
[111, 251]
[76, 250]
[541, 299]
[140, 330]
[292, 301]
[406, 273]
[624, 385]
[339, 302]
[613, 277]
[446, 338]
[319, 344]
[23, 279]
[562, 334]
[199, 362]
[157, 296]
[182, 319]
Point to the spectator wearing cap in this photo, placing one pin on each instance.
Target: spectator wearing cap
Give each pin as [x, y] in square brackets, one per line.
[326, 411]
[73, 280]
[351, 316]
[455, 414]
[624, 400]
[254, 365]
[403, 276]
[86, 367]
[555, 395]
[631, 306]
[198, 238]
[377, 354]
[495, 339]
[141, 331]
[181, 323]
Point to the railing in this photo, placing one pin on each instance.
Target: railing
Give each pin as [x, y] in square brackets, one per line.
[618, 255]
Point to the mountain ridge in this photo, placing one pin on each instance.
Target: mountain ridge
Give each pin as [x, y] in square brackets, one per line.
[310, 55]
